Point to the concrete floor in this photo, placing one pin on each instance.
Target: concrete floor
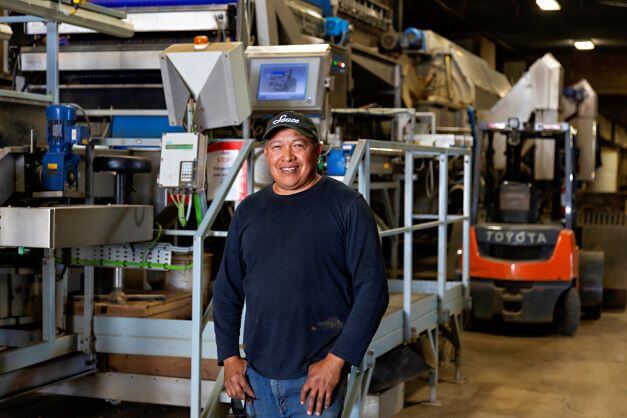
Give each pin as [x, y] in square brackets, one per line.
[524, 372]
[529, 372]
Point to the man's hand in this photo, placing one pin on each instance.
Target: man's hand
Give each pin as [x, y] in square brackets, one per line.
[322, 378]
[235, 380]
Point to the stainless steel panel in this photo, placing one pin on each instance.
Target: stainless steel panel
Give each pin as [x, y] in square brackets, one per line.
[17, 358]
[35, 60]
[74, 226]
[153, 21]
[23, 381]
[132, 388]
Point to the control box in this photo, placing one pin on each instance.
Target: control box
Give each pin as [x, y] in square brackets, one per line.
[183, 161]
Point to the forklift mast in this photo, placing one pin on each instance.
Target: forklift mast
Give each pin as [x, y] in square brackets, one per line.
[516, 135]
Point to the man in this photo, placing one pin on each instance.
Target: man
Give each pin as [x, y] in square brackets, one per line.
[304, 254]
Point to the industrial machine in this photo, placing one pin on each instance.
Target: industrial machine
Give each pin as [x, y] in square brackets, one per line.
[539, 95]
[59, 256]
[159, 113]
[524, 257]
[44, 217]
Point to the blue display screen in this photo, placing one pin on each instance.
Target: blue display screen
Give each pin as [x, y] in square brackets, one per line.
[282, 81]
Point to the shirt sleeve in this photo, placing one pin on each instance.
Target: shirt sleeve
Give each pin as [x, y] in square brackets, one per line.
[228, 295]
[365, 262]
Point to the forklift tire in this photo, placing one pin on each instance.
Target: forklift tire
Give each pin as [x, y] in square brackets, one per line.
[593, 312]
[568, 312]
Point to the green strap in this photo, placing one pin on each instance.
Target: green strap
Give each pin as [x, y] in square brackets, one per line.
[113, 263]
[181, 208]
[198, 208]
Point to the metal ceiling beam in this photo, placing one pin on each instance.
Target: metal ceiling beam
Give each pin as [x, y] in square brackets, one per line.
[59, 12]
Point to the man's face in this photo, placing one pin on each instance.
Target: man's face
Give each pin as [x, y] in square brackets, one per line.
[292, 160]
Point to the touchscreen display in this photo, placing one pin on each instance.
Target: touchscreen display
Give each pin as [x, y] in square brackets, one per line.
[282, 81]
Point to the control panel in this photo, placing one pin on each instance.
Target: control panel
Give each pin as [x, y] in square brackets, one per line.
[183, 161]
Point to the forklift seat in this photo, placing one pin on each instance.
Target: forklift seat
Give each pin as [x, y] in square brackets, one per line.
[517, 203]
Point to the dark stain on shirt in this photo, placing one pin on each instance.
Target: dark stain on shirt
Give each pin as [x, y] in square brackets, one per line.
[331, 324]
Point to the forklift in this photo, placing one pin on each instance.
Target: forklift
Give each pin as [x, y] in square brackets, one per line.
[524, 256]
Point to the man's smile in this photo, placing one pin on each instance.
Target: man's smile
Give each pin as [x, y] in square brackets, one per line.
[288, 170]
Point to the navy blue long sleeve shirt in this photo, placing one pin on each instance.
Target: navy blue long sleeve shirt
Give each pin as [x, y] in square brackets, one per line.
[310, 268]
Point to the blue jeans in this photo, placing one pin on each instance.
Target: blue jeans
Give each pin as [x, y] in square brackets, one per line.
[281, 398]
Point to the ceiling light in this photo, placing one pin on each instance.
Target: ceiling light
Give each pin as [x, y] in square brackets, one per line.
[548, 5]
[584, 45]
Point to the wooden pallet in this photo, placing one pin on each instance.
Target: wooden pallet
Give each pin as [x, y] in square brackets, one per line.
[160, 366]
[177, 305]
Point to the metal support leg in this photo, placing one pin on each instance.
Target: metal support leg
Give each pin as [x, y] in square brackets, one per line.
[568, 167]
[434, 374]
[453, 333]
[442, 229]
[398, 86]
[61, 299]
[351, 392]
[457, 330]
[388, 210]
[85, 343]
[197, 314]
[89, 173]
[392, 221]
[117, 295]
[466, 229]
[48, 284]
[396, 205]
[211, 407]
[52, 60]
[364, 175]
[408, 244]
[250, 173]
[357, 391]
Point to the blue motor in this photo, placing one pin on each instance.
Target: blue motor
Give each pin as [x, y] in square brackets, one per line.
[336, 26]
[338, 159]
[413, 38]
[60, 166]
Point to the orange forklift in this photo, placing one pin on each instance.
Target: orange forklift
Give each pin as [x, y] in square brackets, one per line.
[524, 256]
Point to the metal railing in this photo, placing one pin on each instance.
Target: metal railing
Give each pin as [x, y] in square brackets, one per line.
[200, 317]
[185, 338]
[360, 167]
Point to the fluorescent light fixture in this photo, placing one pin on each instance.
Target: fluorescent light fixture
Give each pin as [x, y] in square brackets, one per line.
[549, 5]
[584, 45]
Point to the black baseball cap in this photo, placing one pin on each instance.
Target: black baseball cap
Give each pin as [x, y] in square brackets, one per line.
[293, 120]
